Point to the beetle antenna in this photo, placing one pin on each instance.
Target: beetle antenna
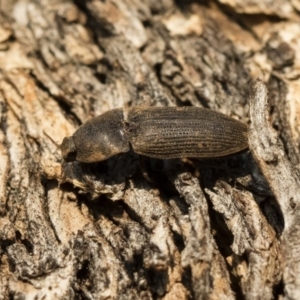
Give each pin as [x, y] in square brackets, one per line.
[51, 139]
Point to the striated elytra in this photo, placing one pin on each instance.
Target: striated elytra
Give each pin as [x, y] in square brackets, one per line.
[159, 132]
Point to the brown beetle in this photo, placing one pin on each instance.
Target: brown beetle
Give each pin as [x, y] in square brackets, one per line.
[159, 132]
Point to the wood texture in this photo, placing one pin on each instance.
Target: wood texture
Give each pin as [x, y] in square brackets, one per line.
[187, 229]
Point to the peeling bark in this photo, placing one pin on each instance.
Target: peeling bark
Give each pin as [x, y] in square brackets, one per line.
[133, 227]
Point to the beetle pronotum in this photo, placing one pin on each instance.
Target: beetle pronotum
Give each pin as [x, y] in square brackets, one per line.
[159, 132]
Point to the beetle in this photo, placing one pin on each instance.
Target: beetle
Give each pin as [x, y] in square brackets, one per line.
[158, 132]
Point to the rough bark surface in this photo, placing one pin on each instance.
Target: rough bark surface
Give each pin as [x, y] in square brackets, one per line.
[141, 228]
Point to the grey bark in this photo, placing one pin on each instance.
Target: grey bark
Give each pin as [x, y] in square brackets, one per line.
[213, 229]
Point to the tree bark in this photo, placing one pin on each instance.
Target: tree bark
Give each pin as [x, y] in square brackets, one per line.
[188, 229]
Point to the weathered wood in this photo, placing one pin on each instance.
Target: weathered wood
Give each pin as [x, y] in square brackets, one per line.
[187, 229]
[268, 151]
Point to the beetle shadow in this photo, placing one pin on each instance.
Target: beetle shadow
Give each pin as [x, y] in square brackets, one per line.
[101, 177]
[240, 171]
[158, 172]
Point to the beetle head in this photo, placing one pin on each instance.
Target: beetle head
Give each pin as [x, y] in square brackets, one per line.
[68, 149]
[98, 139]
